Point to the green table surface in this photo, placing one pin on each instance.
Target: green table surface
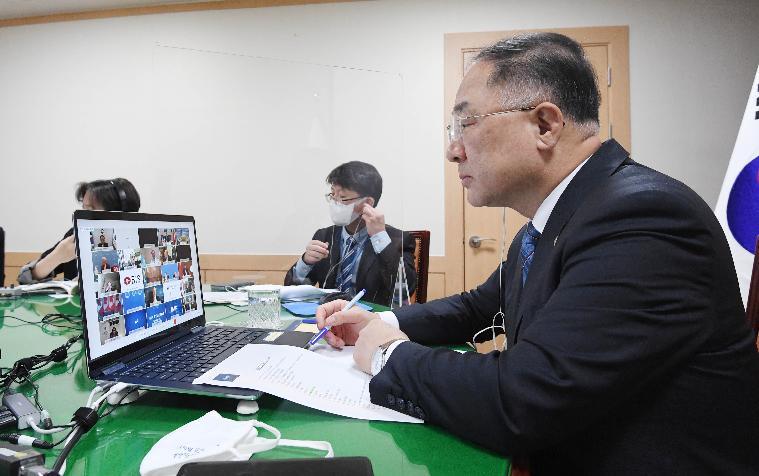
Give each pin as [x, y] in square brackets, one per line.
[118, 443]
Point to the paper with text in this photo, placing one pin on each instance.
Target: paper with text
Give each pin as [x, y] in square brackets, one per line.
[323, 378]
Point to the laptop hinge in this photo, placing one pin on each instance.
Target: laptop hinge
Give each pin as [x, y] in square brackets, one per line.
[111, 369]
[197, 329]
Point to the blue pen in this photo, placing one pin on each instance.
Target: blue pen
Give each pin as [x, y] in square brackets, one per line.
[326, 329]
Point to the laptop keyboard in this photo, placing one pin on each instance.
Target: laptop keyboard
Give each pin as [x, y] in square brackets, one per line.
[195, 356]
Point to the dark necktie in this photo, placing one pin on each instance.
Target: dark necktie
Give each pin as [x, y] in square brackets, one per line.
[527, 251]
[343, 282]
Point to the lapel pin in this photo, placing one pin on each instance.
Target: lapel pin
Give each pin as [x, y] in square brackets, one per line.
[555, 240]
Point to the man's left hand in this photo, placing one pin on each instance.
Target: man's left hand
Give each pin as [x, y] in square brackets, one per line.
[374, 219]
[376, 333]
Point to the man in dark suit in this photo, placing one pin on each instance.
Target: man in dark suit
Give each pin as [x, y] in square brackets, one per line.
[627, 347]
[360, 251]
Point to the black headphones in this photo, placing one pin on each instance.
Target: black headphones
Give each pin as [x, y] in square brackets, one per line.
[122, 195]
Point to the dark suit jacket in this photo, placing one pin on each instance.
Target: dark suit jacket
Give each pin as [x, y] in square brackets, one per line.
[376, 272]
[628, 348]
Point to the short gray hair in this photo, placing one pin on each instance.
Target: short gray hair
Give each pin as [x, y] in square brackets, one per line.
[534, 67]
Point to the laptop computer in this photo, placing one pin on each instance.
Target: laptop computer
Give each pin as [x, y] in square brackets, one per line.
[142, 305]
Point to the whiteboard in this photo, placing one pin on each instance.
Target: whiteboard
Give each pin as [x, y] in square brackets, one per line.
[245, 144]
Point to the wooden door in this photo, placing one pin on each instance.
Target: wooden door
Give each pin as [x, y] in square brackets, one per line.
[483, 233]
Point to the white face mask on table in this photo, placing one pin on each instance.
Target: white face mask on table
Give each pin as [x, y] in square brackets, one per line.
[215, 438]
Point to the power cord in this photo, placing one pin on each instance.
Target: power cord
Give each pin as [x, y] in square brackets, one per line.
[53, 319]
[49, 431]
[62, 321]
[23, 368]
[83, 420]
[86, 417]
[25, 440]
[25, 414]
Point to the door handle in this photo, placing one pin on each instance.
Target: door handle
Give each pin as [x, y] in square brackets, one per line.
[476, 241]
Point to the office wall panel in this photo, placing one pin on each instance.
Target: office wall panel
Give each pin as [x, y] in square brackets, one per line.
[86, 99]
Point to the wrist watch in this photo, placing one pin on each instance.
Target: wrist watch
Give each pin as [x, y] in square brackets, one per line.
[380, 356]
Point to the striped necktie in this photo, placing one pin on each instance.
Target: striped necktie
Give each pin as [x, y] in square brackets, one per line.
[344, 280]
[527, 251]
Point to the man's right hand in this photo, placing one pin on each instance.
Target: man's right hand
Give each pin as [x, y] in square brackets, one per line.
[345, 325]
[315, 251]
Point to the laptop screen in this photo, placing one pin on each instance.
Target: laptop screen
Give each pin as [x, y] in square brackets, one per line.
[139, 277]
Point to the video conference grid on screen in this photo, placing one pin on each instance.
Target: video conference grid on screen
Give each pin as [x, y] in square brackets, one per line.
[142, 281]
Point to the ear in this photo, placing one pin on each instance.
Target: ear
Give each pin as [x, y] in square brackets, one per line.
[370, 201]
[550, 124]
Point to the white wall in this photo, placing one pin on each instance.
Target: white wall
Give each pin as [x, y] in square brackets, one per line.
[78, 102]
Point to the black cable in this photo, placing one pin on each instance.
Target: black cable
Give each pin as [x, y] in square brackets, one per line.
[65, 437]
[85, 418]
[113, 407]
[77, 432]
[237, 311]
[23, 368]
[35, 442]
[71, 322]
[22, 320]
[36, 392]
[68, 317]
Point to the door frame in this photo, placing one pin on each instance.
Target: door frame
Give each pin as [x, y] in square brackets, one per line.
[616, 38]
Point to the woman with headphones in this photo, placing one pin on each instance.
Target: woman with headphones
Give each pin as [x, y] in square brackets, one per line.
[112, 195]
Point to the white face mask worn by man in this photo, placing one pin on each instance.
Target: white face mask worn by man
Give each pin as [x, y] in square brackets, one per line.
[343, 214]
[215, 438]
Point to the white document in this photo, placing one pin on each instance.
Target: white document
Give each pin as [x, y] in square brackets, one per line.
[303, 291]
[323, 378]
[300, 291]
[297, 292]
[66, 287]
[226, 297]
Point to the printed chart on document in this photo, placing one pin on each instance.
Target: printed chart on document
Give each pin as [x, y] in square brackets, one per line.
[323, 378]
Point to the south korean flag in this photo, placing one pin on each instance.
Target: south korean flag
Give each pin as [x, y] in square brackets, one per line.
[738, 205]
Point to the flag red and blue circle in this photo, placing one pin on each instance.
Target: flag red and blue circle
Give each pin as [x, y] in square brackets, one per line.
[743, 206]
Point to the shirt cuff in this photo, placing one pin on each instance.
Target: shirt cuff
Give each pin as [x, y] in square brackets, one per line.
[380, 241]
[389, 351]
[389, 317]
[301, 271]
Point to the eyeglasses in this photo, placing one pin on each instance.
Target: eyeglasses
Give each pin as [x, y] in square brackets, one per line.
[456, 128]
[345, 201]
